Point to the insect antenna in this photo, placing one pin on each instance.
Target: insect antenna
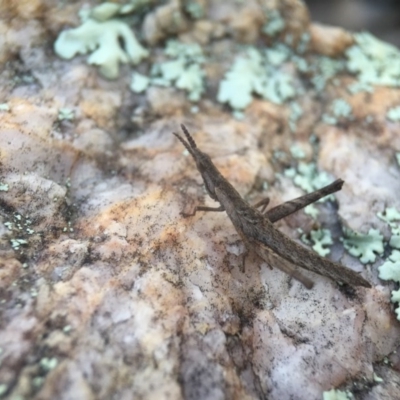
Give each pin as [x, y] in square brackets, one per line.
[189, 137]
[187, 146]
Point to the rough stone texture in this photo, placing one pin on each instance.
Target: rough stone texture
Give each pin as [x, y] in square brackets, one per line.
[115, 295]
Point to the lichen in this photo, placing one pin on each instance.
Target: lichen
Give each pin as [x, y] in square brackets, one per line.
[184, 70]
[4, 107]
[66, 114]
[340, 109]
[337, 395]
[139, 82]
[365, 247]
[194, 8]
[373, 61]
[259, 73]
[357, 87]
[275, 23]
[324, 69]
[393, 114]
[390, 269]
[308, 178]
[297, 152]
[295, 114]
[111, 42]
[321, 239]
[392, 217]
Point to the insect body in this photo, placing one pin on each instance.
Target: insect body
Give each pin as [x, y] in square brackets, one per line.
[256, 227]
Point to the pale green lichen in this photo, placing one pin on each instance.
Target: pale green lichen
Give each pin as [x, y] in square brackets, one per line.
[4, 107]
[312, 211]
[297, 152]
[390, 270]
[48, 363]
[295, 114]
[3, 389]
[358, 87]
[111, 42]
[139, 82]
[256, 72]
[16, 243]
[396, 299]
[239, 83]
[275, 23]
[337, 395]
[393, 114]
[324, 69]
[194, 8]
[105, 11]
[365, 247]
[66, 114]
[304, 43]
[340, 109]
[3, 187]
[184, 70]
[307, 177]
[392, 217]
[321, 238]
[373, 61]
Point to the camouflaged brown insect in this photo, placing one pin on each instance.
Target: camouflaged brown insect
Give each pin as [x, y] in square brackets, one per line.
[256, 227]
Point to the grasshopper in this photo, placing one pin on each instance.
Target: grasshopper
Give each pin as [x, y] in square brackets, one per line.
[256, 227]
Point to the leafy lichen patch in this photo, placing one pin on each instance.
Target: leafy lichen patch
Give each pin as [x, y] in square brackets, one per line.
[257, 72]
[365, 247]
[320, 240]
[393, 114]
[184, 69]
[373, 61]
[339, 110]
[104, 40]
